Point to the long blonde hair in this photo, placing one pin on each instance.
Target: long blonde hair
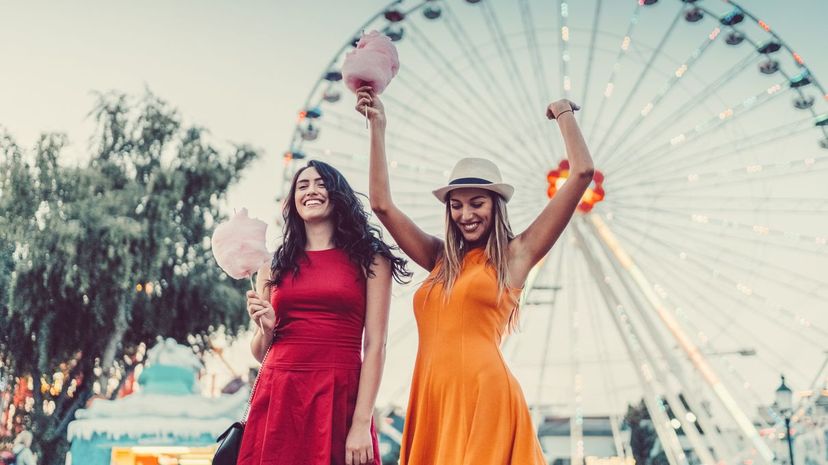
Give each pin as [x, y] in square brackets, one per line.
[455, 248]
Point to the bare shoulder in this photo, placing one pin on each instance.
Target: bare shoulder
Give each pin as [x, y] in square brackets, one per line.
[380, 266]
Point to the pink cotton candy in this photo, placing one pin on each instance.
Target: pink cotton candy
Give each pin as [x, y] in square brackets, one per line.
[373, 63]
[239, 245]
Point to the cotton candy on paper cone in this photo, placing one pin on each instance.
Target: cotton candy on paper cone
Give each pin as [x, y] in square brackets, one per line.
[374, 62]
[239, 245]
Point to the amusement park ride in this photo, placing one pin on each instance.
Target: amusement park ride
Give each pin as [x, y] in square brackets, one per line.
[703, 229]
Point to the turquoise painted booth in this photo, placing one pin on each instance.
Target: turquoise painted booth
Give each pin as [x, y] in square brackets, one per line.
[164, 421]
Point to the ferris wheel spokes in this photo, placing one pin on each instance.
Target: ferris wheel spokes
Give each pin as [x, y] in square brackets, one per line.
[539, 68]
[622, 52]
[726, 326]
[717, 227]
[602, 231]
[608, 368]
[558, 266]
[644, 372]
[694, 134]
[705, 224]
[704, 340]
[494, 88]
[590, 57]
[484, 127]
[744, 297]
[470, 92]
[689, 104]
[679, 379]
[731, 203]
[652, 104]
[511, 69]
[709, 155]
[599, 147]
[453, 113]
[739, 292]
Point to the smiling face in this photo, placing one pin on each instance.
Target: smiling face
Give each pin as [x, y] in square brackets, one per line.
[471, 211]
[311, 197]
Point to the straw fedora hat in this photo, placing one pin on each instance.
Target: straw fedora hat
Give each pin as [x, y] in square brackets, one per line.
[475, 172]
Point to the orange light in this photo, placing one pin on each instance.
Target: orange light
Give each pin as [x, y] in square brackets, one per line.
[288, 157]
[798, 58]
[764, 25]
[594, 194]
[302, 115]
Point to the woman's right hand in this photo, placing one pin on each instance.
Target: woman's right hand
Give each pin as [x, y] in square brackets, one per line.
[261, 312]
[558, 107]
[369, 103]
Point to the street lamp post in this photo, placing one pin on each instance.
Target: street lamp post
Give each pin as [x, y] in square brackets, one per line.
[784, 402]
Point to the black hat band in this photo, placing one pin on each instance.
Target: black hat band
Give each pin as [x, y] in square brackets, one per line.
[469, 181]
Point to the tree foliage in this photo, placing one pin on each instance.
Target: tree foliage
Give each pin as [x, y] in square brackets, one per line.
[646, 447]
[642, 434]
[100, 257]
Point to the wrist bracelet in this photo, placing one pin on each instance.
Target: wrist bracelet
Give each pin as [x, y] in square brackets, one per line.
[559, 114]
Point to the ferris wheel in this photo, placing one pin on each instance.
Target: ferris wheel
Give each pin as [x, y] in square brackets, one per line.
[694, 270]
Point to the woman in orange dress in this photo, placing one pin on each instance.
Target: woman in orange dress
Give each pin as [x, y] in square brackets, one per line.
[465, 406]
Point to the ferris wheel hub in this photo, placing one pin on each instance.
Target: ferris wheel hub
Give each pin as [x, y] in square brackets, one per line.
[593, 195]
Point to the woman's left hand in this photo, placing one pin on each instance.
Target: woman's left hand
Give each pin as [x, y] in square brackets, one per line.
[557, 107]
[359, 448]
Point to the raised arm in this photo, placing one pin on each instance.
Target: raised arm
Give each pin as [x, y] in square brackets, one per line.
[421, 247]
[531, 245]
[358, 445]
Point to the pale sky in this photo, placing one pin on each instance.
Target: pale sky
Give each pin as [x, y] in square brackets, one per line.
[244, 69]
[240, 69]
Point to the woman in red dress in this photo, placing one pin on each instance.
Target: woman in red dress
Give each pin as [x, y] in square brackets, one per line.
[329, 284]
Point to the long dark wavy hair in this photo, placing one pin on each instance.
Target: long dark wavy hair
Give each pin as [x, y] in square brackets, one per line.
[352, 232]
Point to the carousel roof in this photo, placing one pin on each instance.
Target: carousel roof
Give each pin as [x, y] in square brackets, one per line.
[165, 404]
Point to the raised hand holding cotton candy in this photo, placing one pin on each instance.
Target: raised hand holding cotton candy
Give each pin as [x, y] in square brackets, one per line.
[373, 63]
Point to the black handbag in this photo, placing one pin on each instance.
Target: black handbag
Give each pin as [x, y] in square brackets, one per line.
[230, 440]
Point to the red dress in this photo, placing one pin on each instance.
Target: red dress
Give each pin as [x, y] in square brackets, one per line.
[307, 391]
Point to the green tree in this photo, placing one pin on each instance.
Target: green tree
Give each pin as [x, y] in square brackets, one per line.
[642, 433]
[643, 438]
[101, 257]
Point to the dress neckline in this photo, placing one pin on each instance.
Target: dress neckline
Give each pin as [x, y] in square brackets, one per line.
[482, 250]
[321, 250]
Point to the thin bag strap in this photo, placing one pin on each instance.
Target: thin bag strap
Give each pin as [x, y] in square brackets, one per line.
[256, 383]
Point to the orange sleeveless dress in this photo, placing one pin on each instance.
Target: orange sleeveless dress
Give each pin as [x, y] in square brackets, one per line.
[465, 406]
